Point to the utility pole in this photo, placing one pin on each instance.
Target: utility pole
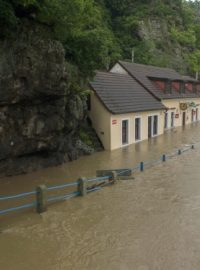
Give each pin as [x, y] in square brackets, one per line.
[197, 75]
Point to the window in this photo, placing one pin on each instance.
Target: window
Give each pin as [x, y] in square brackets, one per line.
[152, 125]
[172, 119]
[137, 129]
[192, 115]
[168, 87]
[194, 88]
[182, 87]
[166, 120]
[124, 132]
[149, 126]
[155, 125]
[183, 118]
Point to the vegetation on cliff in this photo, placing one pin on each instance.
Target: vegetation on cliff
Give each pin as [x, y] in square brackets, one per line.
[95, 33]
[78, 24]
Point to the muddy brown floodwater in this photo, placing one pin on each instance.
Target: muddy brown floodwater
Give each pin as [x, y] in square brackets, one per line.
[149, 223]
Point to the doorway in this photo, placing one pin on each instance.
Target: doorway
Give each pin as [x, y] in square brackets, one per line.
[183, 118]
[192, 115]
[124, 132]
[166, 120]
[137, 129]
[152, 125]
[172, 119]
[149, 126]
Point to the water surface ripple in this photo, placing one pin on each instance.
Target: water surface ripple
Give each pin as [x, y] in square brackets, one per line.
[149, 223]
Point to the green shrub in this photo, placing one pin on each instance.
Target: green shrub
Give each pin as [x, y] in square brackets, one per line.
[85, 137]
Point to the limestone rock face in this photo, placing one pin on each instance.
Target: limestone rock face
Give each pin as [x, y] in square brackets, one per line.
[37, 118]
[155, 34]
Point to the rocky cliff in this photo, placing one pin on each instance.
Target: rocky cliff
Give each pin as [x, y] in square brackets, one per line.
[160, 32]
[163, 50]
[39, 117]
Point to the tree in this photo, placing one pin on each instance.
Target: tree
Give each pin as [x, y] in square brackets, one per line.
[79, 25]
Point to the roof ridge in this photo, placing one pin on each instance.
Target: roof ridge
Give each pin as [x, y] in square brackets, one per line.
[148, 66]
[114, 74]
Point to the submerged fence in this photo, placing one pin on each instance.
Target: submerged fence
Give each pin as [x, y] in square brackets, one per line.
[42, 198]
[82, 185]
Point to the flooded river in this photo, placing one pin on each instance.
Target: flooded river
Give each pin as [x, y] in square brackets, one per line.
[149, 223]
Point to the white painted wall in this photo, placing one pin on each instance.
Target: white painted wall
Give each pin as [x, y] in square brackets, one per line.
[175, 103]
[100, 118]
[116, 129]
[117, 68]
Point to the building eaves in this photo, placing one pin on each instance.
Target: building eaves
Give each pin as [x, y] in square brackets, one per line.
[120, 93]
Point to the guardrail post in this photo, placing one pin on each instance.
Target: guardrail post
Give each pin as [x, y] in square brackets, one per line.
[82, 186]
[141, 166]
[41, 199]
[192, 146]
[164, 158]
[179, 152]
[114, 177]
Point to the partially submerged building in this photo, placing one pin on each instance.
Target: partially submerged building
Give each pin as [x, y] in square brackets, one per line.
[179, 94]
[134, 102]
[122, 111]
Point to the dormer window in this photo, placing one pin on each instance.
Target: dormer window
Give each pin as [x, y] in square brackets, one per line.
[163, 84]
[182, 87]
[176, 85]
[194, 88]
[168, 87]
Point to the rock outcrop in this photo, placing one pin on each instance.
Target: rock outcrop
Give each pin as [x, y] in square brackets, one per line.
[38, 121]
[155, 34]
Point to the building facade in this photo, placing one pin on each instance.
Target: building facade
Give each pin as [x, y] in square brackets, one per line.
[181, 112]
[122, 111]
[179, 94]
[135, 127]
[134, 102]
